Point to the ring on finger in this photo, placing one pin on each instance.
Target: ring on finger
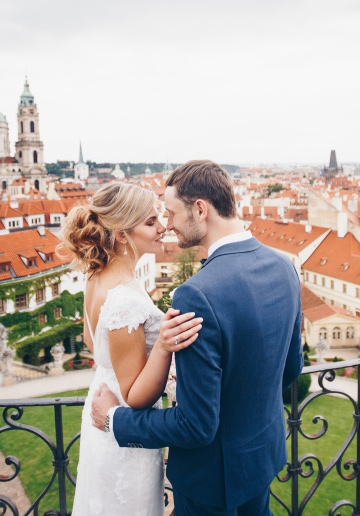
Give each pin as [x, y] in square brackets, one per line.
[176, 340]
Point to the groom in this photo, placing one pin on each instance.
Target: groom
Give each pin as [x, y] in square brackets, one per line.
[227, 433]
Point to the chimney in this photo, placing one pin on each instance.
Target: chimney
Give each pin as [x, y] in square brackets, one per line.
[308, 228]
[41, 231]
[262, 213]
[251, 209]
[27, 187]
[342, 224]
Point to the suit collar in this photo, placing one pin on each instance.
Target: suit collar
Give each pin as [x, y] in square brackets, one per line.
[244, 246]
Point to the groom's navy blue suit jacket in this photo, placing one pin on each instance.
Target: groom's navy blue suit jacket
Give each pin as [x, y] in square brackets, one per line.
[227, 433]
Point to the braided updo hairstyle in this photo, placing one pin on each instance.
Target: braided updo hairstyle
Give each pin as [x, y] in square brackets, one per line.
[88, 231]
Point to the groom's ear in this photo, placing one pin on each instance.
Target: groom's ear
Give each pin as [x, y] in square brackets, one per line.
[201, 209]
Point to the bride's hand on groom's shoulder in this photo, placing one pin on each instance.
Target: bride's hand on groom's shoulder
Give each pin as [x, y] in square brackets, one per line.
[178, 331]
[102, 401]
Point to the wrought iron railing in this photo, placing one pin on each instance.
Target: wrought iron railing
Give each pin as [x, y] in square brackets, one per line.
[298, 467]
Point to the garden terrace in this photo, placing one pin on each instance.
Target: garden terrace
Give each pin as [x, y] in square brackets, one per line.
[320, 478]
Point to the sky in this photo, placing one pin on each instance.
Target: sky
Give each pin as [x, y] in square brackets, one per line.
[235, 81]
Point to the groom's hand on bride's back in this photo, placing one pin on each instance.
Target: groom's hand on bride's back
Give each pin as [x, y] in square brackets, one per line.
[102, 401]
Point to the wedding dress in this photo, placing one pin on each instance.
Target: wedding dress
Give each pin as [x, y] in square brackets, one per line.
[114, 481]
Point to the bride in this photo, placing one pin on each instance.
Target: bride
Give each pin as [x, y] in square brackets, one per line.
[132, 342]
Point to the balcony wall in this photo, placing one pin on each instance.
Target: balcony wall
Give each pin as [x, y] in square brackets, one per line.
[304, 476]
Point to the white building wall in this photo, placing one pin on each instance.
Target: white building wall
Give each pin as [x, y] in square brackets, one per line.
[145, 271]
[334, 296]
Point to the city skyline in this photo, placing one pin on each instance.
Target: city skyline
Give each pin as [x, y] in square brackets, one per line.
[244, 82]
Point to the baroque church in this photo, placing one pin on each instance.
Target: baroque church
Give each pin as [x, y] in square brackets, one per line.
[28, 164]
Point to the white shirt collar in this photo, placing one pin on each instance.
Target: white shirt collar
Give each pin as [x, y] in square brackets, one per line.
[235, 237]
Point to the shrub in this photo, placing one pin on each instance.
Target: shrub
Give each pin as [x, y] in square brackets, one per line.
[306, 347]
[304, 382]
[78, 363]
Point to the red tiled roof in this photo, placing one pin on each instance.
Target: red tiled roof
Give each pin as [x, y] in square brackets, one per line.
[336, 257]
[321, 312]
[26, 243]
[7, 211]
[290, 237]
[309, 299]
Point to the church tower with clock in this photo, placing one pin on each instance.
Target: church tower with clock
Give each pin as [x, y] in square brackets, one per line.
[29, 151]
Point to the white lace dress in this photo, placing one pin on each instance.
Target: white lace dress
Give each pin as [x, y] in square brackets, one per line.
[114, 481]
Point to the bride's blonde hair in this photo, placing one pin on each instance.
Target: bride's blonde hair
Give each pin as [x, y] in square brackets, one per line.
[88, 231]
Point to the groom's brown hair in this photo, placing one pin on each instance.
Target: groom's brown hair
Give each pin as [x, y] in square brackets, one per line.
[204, 179]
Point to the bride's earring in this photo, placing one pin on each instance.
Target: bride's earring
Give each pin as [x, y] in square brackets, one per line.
[125, 250]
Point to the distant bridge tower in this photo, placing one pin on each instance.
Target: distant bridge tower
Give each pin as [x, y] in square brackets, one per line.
[332, 170]
[29, 149]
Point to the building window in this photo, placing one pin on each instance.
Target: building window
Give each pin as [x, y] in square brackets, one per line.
[31, 262]
[332, 302]
[13, 223]
[357, 292]
[323, 282]
[55, 289]
[32, 127]
[315, 279]
[332, 284]
[344, 288]
[2, 306]
[323, 334]
[57, 312]
[350, 332]
[42, 318]
[75, 279]
[22, 127]
[57, 220]
[345, 306]
[35, 155]
[21, 300]
[306, 276]
[336, 333]
[40, 295]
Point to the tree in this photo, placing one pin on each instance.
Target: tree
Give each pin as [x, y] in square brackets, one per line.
[277, 187]
[186, 264]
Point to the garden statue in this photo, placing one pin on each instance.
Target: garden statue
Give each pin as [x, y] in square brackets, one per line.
[6, 358]
[57, 353]
[321, 347]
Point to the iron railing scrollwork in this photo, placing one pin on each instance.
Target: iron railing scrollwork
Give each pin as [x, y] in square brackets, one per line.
[306, 466]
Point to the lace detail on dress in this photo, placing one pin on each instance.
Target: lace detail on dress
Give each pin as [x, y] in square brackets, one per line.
[124, 307]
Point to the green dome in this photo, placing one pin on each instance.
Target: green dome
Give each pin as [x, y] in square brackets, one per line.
[27, 99]
[2, 118]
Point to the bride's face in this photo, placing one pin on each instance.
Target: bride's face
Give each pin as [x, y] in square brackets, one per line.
[146, 236]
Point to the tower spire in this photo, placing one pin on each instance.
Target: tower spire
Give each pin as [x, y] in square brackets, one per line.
[27, 98]
[81, 159]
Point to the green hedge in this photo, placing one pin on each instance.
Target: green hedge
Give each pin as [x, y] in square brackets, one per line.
[30, 348]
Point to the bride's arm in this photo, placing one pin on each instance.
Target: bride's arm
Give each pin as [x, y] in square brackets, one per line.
[142, 381]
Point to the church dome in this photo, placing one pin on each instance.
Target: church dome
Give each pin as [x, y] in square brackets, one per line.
[27, 99]
[2, 118]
